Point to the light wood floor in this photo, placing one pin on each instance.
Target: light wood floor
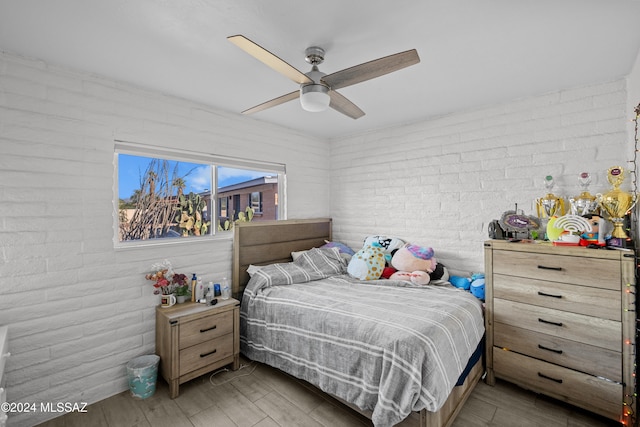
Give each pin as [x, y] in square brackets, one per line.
[258, 395]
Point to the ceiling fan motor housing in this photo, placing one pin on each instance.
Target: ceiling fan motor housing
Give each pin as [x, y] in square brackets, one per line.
[314, 55]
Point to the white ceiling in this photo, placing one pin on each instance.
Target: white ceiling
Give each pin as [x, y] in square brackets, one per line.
[472, 52]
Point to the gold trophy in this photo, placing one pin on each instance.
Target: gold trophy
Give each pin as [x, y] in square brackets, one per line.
[616, 203]
[549, 205]
[585, 203]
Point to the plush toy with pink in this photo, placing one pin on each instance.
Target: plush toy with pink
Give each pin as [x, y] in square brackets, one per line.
[416, 264]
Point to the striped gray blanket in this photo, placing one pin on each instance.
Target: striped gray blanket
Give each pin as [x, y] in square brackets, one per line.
[389, 347]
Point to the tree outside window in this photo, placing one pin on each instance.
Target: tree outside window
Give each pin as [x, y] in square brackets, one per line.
[161, 198]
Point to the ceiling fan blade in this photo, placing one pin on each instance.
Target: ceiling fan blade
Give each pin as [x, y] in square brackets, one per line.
[269, 59]
[344, 106]
[372, 69]
[276, 101]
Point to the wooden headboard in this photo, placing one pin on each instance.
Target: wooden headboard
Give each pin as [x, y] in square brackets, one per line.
[268, 242]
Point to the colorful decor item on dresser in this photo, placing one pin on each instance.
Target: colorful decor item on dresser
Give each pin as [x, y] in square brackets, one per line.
[568, 229]
[516, 221]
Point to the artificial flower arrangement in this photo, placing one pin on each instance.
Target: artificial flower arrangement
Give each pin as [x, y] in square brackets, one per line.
[166, 281]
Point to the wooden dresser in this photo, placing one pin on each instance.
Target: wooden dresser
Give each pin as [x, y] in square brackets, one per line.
[560, 321]
[193, 339]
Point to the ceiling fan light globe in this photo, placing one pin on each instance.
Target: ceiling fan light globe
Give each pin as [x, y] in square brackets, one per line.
[314, 97]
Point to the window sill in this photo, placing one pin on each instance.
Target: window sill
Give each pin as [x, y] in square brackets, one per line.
[220, 236]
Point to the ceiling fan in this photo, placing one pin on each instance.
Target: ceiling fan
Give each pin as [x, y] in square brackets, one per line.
[319, 90]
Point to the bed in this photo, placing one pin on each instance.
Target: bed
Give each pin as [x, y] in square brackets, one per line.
[369, 344]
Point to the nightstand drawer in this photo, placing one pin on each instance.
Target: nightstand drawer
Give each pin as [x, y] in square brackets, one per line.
[206, 328]
[599, 273]
[589, 392]
[571, 354]
[596, 331]
[596, 302]
[198, 356]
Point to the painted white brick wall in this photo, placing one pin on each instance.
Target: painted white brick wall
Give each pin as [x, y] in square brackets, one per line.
[441, 181]
[77, 309]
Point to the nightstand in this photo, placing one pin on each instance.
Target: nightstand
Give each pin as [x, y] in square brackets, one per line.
[193, 339]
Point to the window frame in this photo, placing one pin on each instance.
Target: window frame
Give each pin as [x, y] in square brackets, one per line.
[214, 161]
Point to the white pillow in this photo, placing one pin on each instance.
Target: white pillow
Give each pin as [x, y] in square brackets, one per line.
[252, 269]
[295, 255]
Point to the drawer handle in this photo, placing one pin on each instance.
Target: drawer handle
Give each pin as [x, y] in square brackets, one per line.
[549, 322]
[541, 347]
[208, 329]
[208, 354]
[549, 378]
[544, 267]
[549, 295]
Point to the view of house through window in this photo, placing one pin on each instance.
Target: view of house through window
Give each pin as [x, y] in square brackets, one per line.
[161, 198]
[246, 195]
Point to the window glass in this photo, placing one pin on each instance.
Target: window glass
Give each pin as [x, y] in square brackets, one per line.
[255, 201]
[160, 198]
[242, 190]
[165, 196]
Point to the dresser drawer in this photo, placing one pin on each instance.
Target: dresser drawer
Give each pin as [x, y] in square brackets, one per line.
[594, 272]
[204, 329]
[595, 394]
[595, 331]
[201, 355]
[571, 354]
[596, 302]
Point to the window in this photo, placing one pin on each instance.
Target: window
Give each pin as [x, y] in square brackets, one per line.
[255, 201]
[240, 192]
[166, 195]
[223, 207]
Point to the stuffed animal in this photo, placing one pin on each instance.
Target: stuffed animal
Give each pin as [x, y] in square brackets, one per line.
[477, 285]
[388, 244]
[367, 263]
[416, 264]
